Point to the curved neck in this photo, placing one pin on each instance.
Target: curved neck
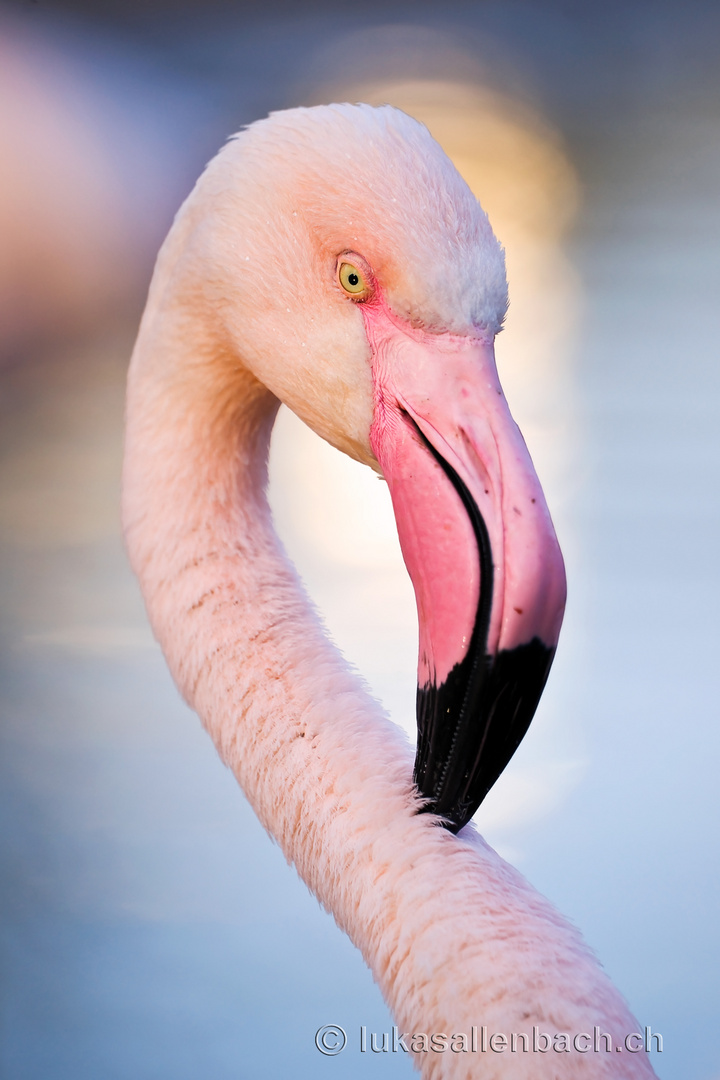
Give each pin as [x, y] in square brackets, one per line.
[452, 934]
[239, 633]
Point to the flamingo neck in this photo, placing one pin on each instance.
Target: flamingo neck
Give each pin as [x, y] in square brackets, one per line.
[453, 935]
[240, 635]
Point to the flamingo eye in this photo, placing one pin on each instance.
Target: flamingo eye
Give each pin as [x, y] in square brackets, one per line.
[353, 281]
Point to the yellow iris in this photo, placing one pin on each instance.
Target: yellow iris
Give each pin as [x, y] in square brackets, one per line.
[352, 280]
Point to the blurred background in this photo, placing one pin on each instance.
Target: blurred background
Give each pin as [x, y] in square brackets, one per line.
[150, 929]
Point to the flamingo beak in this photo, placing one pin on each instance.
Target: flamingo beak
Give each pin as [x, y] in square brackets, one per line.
[481, 551]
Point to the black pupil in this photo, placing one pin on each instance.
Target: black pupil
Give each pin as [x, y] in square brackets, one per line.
[353, 279]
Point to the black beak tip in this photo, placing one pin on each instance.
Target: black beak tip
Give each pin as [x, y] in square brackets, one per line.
[471, 725]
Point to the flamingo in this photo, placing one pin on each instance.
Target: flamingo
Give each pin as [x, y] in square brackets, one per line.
[332, 259]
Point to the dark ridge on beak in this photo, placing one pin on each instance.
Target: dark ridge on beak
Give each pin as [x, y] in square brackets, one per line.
[471, 725]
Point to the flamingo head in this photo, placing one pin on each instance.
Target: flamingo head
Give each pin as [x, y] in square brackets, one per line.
[352, 270]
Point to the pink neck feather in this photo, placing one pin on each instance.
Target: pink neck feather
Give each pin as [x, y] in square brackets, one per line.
[453, 935]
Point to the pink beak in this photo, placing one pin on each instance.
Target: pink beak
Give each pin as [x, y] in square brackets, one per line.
[480, 548]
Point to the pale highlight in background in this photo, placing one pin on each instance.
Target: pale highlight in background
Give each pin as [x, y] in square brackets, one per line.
[334, 515]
